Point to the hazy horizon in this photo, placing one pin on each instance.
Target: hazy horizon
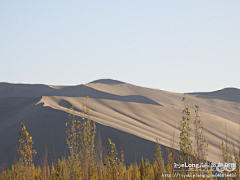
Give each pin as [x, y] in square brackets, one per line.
[24, 83]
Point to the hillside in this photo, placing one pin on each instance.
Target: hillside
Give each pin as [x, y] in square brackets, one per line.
[132, 116]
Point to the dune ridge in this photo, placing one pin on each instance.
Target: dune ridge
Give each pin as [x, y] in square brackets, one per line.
[132, 116]
[153, 121]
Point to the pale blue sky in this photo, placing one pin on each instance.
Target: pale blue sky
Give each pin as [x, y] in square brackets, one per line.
[179, 46]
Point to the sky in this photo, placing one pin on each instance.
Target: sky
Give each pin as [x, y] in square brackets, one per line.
[176, 45]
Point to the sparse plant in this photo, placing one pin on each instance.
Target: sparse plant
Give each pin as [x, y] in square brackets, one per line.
[159, 160]
[72, 141]
[201, 144]
[26, 152]
[112, 161]
[80, 140]
[185, 143]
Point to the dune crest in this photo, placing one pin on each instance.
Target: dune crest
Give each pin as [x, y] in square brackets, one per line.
[148, 121]
[132, 116]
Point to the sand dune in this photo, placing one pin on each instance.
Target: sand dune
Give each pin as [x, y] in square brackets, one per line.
[227, 94]
[213, 103]
[149, 121]
[132, 116]
[21, 90]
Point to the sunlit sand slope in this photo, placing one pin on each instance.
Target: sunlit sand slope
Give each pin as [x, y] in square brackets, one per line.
[148, 121]
[132, 116]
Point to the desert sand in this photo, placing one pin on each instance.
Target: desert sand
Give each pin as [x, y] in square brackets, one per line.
[130, 115]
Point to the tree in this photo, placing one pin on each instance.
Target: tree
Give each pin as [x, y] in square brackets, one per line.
[26, 152]
[185, 143]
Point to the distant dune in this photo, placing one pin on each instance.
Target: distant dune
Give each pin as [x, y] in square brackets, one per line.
[132, 116]
[227, 94]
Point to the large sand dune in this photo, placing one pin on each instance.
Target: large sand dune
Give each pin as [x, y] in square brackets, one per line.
[132, 116]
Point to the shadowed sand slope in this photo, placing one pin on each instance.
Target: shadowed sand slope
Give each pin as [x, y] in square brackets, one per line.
[227, 94]
[108, 81]
[132, 116]
[47, 127]
[23, 90]
[147, 121]
[216, 105]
